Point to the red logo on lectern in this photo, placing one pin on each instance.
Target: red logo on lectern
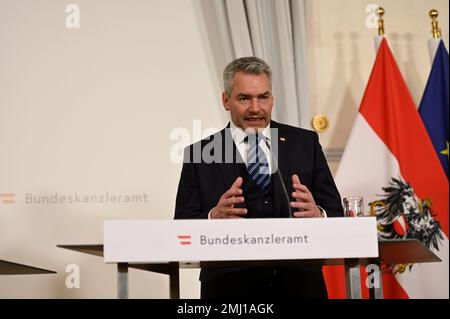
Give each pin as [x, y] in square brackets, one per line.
[184, 239]
[7, 198]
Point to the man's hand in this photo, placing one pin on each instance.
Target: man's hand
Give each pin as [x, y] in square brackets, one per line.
[225, 206]
[304, 200]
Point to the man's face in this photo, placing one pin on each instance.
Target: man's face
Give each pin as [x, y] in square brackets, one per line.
[251, 101]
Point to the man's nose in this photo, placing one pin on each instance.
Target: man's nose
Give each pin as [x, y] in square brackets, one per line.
[253, 105]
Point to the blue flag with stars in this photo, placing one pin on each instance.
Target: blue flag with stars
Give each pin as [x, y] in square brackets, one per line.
[435, 104]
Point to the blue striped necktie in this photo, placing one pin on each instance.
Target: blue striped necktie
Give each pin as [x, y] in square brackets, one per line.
[257, 165]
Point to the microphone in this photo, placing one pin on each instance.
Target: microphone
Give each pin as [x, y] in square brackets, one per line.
[278, 173]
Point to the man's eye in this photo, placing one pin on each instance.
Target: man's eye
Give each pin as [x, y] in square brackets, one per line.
[243, 99]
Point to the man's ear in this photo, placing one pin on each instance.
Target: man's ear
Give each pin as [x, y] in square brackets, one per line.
[225, 101]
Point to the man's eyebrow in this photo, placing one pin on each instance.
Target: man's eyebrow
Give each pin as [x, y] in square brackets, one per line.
[249, 95]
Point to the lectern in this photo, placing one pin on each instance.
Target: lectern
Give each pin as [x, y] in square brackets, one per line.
[165, 246]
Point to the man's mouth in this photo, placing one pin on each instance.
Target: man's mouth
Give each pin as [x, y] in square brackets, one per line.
[254, 119]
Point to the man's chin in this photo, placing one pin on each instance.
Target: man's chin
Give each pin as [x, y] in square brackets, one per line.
[254, 126]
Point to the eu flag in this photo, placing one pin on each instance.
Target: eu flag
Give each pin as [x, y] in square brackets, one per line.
[435, 104]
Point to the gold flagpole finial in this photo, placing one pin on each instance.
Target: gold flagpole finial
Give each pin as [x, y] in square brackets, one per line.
[435, 30]
[380, 13]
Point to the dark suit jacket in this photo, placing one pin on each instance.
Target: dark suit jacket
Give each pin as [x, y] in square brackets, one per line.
[299, 152]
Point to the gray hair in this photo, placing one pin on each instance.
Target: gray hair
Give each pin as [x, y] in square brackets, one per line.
[247, 65]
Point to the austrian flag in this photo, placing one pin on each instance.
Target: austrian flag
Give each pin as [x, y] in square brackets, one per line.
[390, 161]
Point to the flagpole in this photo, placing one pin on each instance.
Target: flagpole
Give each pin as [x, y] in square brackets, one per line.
[380, 36]
[433, 43]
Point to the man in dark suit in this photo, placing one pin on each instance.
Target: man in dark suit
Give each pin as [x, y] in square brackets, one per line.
[248, 170]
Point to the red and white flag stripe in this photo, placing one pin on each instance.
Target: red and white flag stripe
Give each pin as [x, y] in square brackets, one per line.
[389, 140]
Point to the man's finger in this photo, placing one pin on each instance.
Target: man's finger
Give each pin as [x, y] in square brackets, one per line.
[302, 205]
[230, 201]
[237, 211]
[300, 196]
[305, 214]
[232, 192]
[235, 189]
[295, 179]
[237, 183]
[302, 188]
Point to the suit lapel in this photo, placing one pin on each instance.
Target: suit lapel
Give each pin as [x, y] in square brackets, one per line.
[228, 168]
[281, 149]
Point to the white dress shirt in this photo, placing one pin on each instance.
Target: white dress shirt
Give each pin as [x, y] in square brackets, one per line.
[239, 136]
